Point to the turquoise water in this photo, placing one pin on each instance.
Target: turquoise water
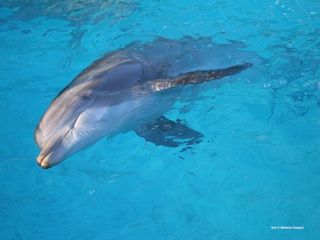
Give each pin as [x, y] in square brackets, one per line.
[258, 166]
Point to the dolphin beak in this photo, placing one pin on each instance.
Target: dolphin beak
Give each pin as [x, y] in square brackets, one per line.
[43, 161]
[49, 155]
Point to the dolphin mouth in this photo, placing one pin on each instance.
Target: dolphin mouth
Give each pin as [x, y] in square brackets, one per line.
[45, 158]
[43, 161]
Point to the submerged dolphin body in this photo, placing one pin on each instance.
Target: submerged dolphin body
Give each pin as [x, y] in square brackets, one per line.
[131, 89]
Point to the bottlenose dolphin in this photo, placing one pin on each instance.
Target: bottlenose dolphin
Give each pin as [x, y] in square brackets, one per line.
[131, 89]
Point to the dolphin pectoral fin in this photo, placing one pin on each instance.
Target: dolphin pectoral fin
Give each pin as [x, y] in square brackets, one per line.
[165, 132]
[196, 77]
[201, 76]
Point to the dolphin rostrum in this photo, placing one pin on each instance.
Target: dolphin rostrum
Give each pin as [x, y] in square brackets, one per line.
[131, 89]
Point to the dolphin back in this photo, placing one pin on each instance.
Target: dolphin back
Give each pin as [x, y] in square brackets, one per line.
[164, 58]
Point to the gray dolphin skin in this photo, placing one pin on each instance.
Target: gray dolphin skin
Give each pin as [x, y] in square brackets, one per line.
[131, 89]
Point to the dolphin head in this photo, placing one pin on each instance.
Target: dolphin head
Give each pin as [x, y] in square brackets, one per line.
[76, 118]
[57, 134]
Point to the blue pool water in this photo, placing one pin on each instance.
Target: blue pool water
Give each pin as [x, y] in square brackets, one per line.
[258, 166]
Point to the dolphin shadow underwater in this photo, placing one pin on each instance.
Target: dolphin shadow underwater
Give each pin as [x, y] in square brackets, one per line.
[130, 89]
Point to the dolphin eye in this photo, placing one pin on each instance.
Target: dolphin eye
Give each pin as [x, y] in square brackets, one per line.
[86, 96]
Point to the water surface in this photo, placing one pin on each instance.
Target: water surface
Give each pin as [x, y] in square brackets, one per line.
[257, 167]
